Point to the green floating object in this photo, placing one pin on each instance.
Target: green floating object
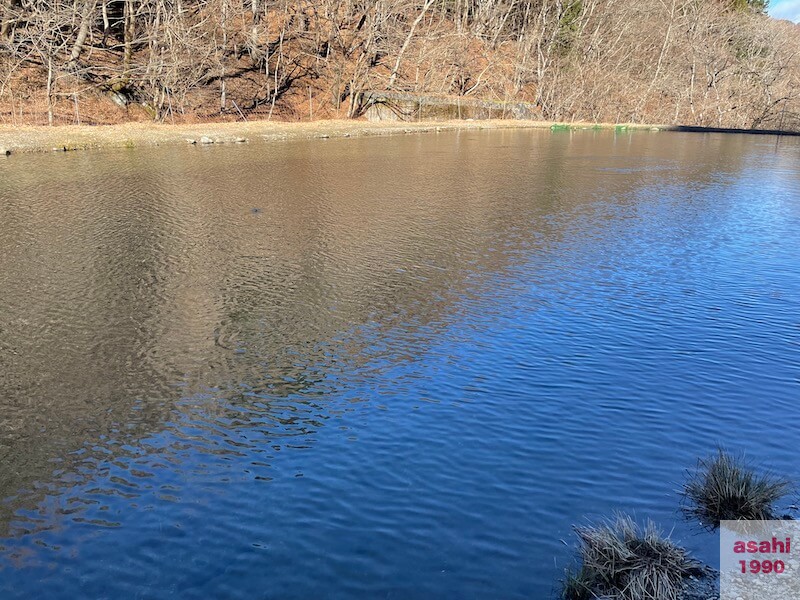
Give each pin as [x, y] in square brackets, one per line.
[619, 128]
[559, 127]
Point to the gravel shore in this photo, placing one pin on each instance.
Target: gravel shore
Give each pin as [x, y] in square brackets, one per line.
[15, 140]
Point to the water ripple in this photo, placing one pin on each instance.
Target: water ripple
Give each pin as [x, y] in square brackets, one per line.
[384, 367]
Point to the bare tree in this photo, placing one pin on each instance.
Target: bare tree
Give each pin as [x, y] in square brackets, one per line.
[708, 62]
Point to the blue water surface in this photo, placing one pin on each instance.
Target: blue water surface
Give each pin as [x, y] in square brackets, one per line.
[383, 368]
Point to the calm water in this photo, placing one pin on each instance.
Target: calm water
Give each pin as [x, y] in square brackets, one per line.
[382, 368]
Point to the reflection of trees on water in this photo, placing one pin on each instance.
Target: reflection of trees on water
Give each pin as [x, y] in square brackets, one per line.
[146, 296]
[81, 281]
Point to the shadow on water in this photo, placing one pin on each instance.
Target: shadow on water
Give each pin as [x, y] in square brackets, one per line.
[697, 129]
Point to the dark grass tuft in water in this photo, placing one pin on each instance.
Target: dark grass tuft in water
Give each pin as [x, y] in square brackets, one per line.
[725, 488]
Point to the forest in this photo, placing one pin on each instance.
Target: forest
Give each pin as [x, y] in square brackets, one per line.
[720, 63]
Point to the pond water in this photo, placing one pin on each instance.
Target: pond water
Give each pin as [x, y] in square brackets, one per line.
[384, 367]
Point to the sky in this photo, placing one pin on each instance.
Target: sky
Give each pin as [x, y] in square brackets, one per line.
[785, 9]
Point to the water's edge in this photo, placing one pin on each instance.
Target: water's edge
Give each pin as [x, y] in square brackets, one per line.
[28, 139]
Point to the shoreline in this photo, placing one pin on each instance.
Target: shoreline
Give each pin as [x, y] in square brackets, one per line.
[38, 139]
[31, 139]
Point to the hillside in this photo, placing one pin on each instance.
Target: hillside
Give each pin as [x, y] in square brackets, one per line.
[694, 62]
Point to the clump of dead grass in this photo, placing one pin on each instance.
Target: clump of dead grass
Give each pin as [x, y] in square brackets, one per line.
[724, 487]
[622, 561]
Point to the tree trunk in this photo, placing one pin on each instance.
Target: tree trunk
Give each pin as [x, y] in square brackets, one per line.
[50, 90]
[5, 18]
[83, 32]
[130, 33]
[106, 23]
[223, 90]
[426, 6]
